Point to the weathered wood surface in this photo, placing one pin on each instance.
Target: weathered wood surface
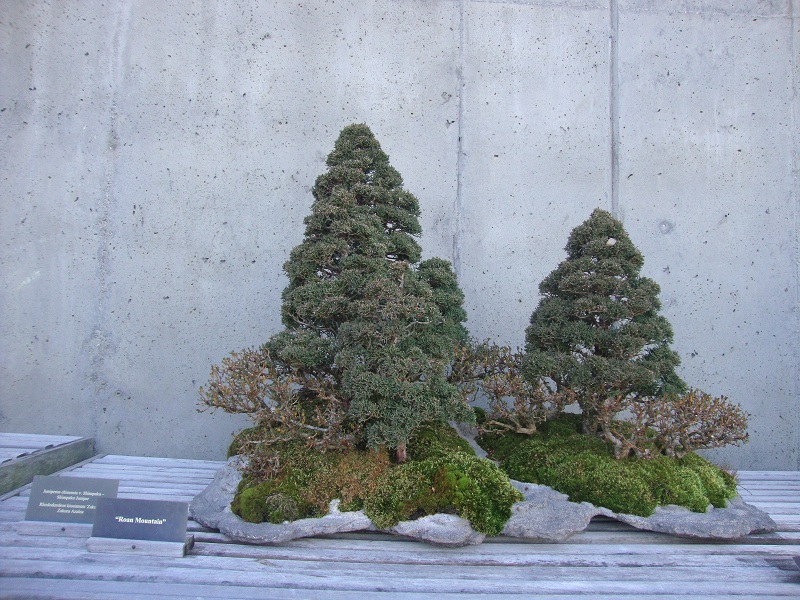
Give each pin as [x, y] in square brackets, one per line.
[23, 456]
[608, 561]
[140, 547]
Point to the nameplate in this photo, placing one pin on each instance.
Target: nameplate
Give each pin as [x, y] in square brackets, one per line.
[67, 499]
[129, 519]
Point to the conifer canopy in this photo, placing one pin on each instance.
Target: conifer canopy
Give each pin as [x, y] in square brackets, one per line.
[369, 331]
[597, 330]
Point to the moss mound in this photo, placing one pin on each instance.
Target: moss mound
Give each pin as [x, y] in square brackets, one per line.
[457, 483]
[436, 439]
[442, 475]
[306, 483]
[584, 468]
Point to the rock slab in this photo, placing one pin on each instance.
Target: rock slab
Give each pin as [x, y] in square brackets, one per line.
[736, 520]
[441, 529]
[211, 508]
[543, 515]
[546, 515]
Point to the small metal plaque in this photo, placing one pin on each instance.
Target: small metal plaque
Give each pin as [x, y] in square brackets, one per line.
[67, 499]
[129, 519]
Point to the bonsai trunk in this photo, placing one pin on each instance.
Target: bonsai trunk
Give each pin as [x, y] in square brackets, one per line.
[401, 453]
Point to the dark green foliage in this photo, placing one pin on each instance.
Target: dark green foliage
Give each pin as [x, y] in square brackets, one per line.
[449, 298]
[457, 483]
[584, 467]
[597, 330]
[396, 326]
[370, 334]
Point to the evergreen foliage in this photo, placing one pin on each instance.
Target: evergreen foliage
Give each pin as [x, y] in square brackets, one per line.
[597, 330]
[369, 333]
[596, 340]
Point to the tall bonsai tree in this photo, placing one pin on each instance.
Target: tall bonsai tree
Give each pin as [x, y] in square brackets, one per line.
[597, 330]
[369, 331]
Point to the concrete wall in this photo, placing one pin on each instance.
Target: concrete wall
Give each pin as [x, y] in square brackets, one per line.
[156, 159]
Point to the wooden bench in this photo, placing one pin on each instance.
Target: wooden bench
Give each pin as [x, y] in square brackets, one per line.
[607, 561]
[22, 456]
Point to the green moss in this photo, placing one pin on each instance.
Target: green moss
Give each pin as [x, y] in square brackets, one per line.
[436, 439]
[591, 478]
[262, 503]
[567, 424]
[442, 475]
[669, 483]
[719, 485]
[307, 482]
[584, 468]
[458, 483]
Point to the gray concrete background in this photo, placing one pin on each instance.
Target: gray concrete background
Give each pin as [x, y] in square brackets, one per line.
[156, 160]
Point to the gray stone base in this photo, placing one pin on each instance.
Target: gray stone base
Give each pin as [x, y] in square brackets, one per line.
[544, 515]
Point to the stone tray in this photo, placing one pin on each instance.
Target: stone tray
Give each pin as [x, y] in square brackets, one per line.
[543, 515]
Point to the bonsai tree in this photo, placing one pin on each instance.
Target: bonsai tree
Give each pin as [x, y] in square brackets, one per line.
[596, 336]
[596, 340]
[367, 360]
[369, 330]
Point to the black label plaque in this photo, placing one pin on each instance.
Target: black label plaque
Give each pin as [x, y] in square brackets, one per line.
[67, 499]
[128, 519]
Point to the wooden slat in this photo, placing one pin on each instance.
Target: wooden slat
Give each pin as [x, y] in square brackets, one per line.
[609, 560]
[21, 471]
[554, 571]
[137, 548]
[12, 453]
[28, 589]
[34, 440]
[748, 476]
[603, 580]
[157, 461]
[46, 528]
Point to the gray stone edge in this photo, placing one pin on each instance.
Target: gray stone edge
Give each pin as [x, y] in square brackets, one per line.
[544, 515]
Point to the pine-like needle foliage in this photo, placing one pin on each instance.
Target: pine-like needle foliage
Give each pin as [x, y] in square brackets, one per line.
[370, 331]
[597, 330]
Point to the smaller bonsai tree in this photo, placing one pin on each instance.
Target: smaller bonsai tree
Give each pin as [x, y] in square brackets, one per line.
[596, 339]
[597, 329]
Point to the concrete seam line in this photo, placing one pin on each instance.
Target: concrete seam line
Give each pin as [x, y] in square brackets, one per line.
[613, 67]
[794, 194]
[458, 204]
